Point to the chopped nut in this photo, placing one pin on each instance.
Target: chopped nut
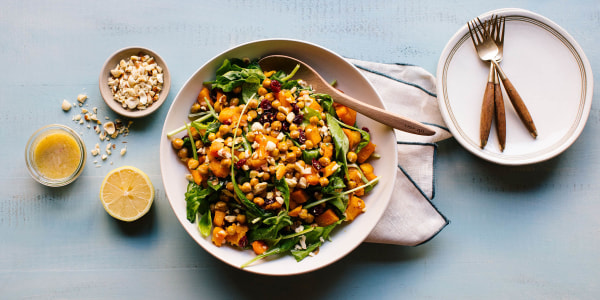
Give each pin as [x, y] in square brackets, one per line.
[109, 127]
[123, 151]
[66, 106]
[136, 81]
[81, 98]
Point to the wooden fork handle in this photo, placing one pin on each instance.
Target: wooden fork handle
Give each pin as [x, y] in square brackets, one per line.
[500, 114]
[517, 102]
[520, 107]
[487, 113]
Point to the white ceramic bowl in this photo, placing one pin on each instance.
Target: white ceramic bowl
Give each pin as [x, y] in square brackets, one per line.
[548, 69]
[107, 94]
[333, 67]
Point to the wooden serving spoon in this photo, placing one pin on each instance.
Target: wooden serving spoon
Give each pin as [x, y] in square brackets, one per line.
[308, 74]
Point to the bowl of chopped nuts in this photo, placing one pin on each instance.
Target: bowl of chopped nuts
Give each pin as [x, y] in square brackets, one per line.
[134, 82]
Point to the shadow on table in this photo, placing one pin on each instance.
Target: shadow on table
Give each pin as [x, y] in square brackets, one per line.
[141, 227]
[322, 284]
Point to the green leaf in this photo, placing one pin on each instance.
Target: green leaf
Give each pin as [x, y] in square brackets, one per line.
[365, 137]
[212, 127]
[282, 186]
[205, 224]
[280, 248]
[309, 155]
[340, 141]
[197, 201]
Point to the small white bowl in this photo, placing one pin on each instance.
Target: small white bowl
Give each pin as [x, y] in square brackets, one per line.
[107, 94]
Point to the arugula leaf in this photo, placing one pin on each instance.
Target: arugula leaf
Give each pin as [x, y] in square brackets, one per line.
[212, 127]
[309, 155]
[326, 103]
[270, 232]
[282, 186]
[314, 239]
[280, 248]
[365, 137]
[335, 183]
[340, 141]
[231, 75]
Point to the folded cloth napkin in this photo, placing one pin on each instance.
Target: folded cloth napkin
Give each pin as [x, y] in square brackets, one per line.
[411, 218]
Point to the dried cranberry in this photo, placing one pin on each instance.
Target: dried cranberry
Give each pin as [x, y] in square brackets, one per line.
[266, 105]
[299, 118]
[295, 108]
[240, 163]
[275, 86]
[269, 201]
[316, 164]
[266, 117]
[227, 122]
[285, 126]
[302, 136]
[365, 129]
[243, 242]
[316, 210]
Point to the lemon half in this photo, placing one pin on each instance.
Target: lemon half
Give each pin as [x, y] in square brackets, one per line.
[126, 193]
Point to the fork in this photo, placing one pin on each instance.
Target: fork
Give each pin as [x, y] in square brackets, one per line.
[487, 50]
[496, 31]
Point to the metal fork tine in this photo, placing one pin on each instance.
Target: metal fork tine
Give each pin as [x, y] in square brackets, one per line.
[501, 33]
[472, 33]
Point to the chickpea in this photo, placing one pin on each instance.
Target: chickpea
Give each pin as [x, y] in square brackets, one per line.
[203, 169]
[258, 201]
[253, 181]
[237, 89]
[282, 146]
[266, 176]
[309, 144]
[177, 144]
[276, 104]
[226, 163]
[182, 153]
[290, 157]
[351, 156]
[262, 91]
[250, 196]
[269, 97]
[224, 129]
[192, 164]
[196, 107]
[294, 134]
[253, 103]
[234, 101]
[276, 125]
[246, 187]
[229, 186]
[324, 161]
[266, 83]
[252, 114]
[314, 120]
[198, 144]
[300, 104]
[293, 127]
[241, 218]
[250, 137]
[231, 229]
[212, 136]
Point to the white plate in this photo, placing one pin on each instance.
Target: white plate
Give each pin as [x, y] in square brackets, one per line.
[351, 81]
[548, 69]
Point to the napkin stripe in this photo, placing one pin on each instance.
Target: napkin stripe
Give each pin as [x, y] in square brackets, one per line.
[414, 183]
[397, 79]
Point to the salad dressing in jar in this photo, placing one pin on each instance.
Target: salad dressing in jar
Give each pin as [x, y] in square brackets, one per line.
[55, 155]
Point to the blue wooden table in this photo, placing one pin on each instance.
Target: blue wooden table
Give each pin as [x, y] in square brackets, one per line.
[529, 232]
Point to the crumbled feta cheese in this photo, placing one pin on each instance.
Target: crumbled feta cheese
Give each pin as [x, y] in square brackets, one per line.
[66, 106]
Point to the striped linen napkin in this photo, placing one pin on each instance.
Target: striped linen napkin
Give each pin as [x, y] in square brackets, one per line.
[411, 218]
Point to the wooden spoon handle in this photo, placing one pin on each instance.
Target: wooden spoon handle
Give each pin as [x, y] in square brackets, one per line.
[388, 118]
[487, 113]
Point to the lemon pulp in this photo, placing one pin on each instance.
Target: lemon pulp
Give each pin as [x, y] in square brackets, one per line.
[127, 193]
